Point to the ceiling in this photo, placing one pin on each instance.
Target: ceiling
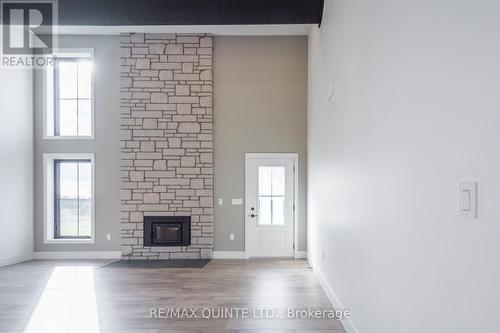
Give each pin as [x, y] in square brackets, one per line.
[188, 12]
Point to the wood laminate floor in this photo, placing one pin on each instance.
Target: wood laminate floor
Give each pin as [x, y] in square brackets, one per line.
[83, 296]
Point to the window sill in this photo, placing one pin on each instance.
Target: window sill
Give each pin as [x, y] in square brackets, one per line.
[68, 137]
[69, 241]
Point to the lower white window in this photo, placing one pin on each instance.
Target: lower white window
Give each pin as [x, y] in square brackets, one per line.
[69, 198]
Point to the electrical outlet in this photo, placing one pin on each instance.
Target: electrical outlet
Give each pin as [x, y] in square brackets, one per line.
[231, 236]
[108, 236]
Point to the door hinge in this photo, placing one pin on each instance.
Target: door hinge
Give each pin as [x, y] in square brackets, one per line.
[294, 168]
[294, 207]
[293, 247]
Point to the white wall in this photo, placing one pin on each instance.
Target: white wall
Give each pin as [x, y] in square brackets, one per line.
[417, 109]
[16, 166]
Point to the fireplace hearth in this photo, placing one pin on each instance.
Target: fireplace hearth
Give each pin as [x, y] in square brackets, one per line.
[167, 230]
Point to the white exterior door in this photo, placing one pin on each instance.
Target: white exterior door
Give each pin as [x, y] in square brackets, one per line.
[269, 205]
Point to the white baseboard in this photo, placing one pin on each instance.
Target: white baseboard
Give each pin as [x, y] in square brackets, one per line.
[78, 255]
[229, 255]
[5, 261]
[241, 255]
[301, 255]
[334, 300]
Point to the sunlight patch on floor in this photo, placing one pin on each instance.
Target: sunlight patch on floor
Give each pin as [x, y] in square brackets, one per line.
[68, 303]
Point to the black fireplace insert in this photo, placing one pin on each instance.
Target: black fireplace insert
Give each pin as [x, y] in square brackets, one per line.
[167, 230]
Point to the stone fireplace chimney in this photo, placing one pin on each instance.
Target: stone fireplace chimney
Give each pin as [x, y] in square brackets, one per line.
[166, 140]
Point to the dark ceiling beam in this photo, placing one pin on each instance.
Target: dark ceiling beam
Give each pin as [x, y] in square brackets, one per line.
[188, 12]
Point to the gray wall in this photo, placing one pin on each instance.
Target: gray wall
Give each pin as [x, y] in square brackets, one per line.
[417, 110]
[260, 106]
[16, 165]
[106, 145]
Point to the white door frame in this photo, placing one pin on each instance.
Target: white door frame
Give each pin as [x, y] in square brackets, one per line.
[295, 157]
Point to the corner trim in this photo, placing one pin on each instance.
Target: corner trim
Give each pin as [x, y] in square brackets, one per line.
[348, 324]
[6, 261]
[78, 255]
[217, 30]
[229, 255]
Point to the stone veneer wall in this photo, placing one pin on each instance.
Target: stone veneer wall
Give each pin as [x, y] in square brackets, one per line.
[167, 139]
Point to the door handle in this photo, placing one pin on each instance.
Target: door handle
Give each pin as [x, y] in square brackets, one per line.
[252, 214]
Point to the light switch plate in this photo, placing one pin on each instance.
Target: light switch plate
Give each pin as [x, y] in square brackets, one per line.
[237, 201]
[221, 202]
[467, 199]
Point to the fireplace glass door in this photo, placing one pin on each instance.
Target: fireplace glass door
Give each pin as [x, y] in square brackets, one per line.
[167, 230]
[167, 233]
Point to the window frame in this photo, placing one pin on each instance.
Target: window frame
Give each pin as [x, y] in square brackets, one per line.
[50, 96]
[49, 179]
[57, 216]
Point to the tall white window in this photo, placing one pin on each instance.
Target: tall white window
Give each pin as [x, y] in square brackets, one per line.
[69, 198]
[69, 96]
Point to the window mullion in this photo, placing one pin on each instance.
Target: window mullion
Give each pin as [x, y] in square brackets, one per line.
[77, 104]
[56, 99]
[272, 215]
[56, 200]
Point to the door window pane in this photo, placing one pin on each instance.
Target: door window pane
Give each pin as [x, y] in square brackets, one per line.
[271, 180]
[278, 210]
[265, 180]
[265, 211]
[278, 181]
[73, 198]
